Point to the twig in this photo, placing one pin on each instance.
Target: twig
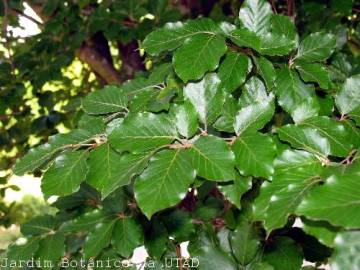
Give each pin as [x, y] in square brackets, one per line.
[20, 13]
[178, 254]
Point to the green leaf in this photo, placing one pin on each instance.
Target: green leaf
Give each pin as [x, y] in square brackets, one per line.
[20, 253]
[111, 99]
[313, 72]
[38, 157]
[51, 248]
[305, 110]
[305, 138]
[225, 122]
[338, 200]
[254, 92]
[98, 239]
[186, 119]
[165, 181]
[255, 15]
[65, 174]
[156, 238]
[235, 190]
[85, 222]
[316, 47]
[255, 116]
[348, 98]
[283, 25]
[209, 254]
[213, 159]
[128, 235]
[291, 91]
[198, 55]
[245, 243]
[296, 172]
[206, 97]
[266, 70]
[346, 253]
[143, 132]
[174, 34]
[233, 70]
[38, 225]
[276, 44]
[284, 253]
[245, 38]
[110, 170]
[254, 154]
[322, 230]
[334, 131]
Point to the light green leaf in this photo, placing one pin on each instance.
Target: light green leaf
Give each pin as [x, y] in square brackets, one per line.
[334, 131]
[296, 172]
[40, 156]
[206, 97]
[213, 159]
[111, 99]
[128, 235]
[110, 170]
[142, 132]
[85, 222]
[316, 47]
[254, 117]
[338, 200]
[65, 174]
[305, 138]
[51, 249]
[313, 72]
[275, 44]
[186, 119]
[198, 55]
[254, 92]
[244, 242]
[233, 70]
[254, 154]
[284, 253]
[255, 15]
[234, 191]
[348, 98]
[291, 91]
[98, 239]
[283, 25]
[346, 253]
[306, 109]
[266, 70]
[322, 230]
[165, 181]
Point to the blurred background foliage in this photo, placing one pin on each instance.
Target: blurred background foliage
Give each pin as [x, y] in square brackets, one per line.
[69, 48]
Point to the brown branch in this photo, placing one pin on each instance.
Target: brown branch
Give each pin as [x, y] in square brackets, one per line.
[291, 8]
[20, 13]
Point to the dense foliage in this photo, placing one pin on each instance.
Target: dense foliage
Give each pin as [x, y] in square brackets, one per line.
[241, 128]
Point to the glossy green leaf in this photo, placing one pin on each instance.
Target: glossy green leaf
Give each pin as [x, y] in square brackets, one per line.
[253, 92]
[283, 25]
[198, 55]
[348, 98]
[227, 117]
[254, 154]
[235, 190]
[51, 249]
[322, 230]
[255, 15]
[255, 116]
[165, 181]
[244, 37]
[213, 159]
[337, 201]
[313, 72]
[66, 174]
[85, 222]
[98, 239]
[291, 91]
[128, 235]
[206, 96]
[296, 173]
[245, 243]
[316, 47]
[266, 70]
[111, 99]
[284, 253]
[276, 44]
[39, 225]
[142, 132]
[186, 119]
[233, 70]
[109, 170]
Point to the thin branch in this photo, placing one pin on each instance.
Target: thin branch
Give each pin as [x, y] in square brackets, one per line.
[22, 14]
